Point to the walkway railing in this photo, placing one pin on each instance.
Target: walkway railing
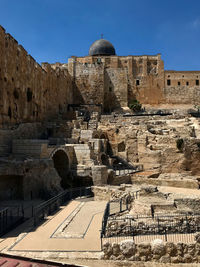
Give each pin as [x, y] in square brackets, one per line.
[113, 207]
[10, 217]
[49, 207]
[121, 169]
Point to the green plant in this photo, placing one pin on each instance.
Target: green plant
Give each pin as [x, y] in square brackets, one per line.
[180, 144]
[135, 105]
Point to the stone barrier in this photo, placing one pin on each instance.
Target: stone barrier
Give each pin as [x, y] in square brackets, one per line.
[156, 251]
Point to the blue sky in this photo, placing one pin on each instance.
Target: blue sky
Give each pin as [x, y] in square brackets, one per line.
[53, 30]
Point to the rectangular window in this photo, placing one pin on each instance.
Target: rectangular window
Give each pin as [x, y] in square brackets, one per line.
[168, 82]
[179, 83]
[187, 83]
[197, 82]
[137, 82]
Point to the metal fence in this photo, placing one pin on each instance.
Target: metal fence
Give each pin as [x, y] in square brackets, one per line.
[10, 217]
[172, 228]
[121, 169]
[113, 207]
[49, 207]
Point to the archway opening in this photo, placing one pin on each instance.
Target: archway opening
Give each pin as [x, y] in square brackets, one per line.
[102, 136]
[61, 164]
[104, 160]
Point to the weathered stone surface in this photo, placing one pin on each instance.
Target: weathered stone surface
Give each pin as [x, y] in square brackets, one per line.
[171, 249]
[127, 247]
[158, 247]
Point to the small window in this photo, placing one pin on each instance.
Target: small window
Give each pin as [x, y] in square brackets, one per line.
[137, 82]
[16, 94]
[29, 95]
[179, 83]
[187, 83]
[168, 76]
[197, 82]
[110, 89]
[9, 113]
[168, 82]
[183, 76]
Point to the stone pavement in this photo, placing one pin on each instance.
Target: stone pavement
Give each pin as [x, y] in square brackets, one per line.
[43, 239]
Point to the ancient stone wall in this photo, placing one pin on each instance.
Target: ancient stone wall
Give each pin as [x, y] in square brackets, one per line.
[118, 79]
[156, 251]
[146, 79]
[182, 87]
[88, 87]
[115, 88]
[29, 92]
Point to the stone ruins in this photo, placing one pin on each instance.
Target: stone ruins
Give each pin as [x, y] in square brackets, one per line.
[69, 125]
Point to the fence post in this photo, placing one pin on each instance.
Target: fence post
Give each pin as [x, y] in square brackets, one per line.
[158, 225]
[165, 235]
[101, 240]
[127, 203]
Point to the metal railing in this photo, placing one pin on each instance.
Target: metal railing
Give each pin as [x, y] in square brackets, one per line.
[48, 207]
[113, 207]
[174, 227]
[121, 169]
[10, 217]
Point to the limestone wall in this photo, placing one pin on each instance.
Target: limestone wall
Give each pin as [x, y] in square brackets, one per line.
[29, 92]
[115, 88]
[156, 251]
[88, 82]
[113, 81]
[182, 87]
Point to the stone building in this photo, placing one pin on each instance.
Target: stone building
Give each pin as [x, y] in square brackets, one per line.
[31, 92]
[43, 141]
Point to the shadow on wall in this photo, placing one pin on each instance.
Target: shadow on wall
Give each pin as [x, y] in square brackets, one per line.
[61, 164]
[11, 187]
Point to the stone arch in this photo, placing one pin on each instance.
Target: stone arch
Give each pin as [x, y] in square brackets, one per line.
[103, 136]
[104, 159]
[61, 164]
[96, 136]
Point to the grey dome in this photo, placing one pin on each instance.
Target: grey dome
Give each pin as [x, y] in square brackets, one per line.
[101, 47]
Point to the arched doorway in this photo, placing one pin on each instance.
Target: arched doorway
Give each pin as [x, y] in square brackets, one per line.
[104, 159]
[103, 136]
[61, 164]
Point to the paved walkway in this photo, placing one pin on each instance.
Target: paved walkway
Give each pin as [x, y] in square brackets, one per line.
[88, 220]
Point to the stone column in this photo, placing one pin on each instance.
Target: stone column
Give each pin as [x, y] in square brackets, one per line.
[99, 175]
